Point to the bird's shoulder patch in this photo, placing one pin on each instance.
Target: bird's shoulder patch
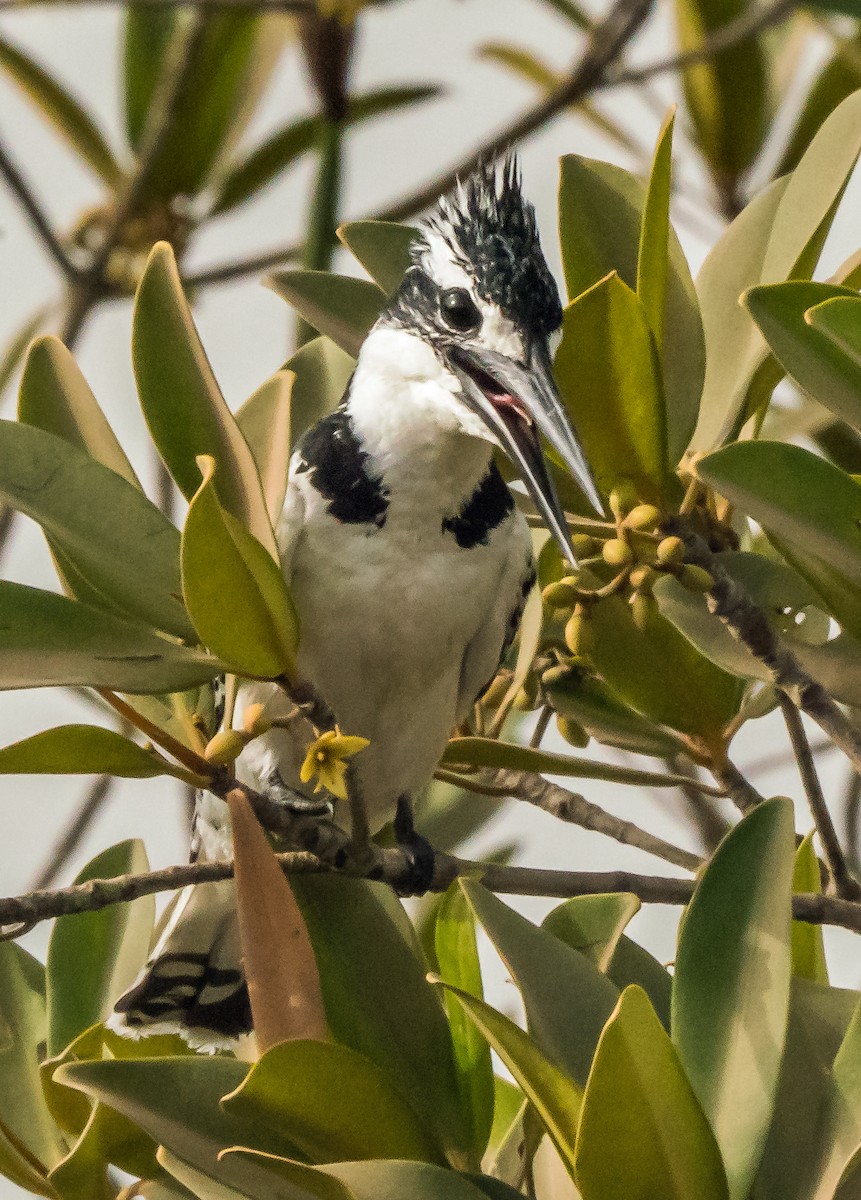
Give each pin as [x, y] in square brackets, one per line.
[338, 468]
[487, 507]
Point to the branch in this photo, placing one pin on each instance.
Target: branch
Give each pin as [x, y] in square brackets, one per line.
[748, 25]
[844, 884]
[20, 189]
[749, 624]
[296, 6]
[605, 44]
[577, 810]
[742, 793]
[26, 911]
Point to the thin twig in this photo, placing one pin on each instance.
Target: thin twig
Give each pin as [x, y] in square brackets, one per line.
[28, 910]
[749, 624]
[844, 884]
[710, 825]
[544, 719]
[70, 839]
[739, 789]
[852, 818]
[92, 284]
[606, 42]
[23, 193]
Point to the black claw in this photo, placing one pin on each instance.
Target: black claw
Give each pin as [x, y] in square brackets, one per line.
[296, 802]
[417, 850]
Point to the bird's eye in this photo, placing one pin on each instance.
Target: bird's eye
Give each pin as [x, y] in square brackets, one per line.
[459, 310]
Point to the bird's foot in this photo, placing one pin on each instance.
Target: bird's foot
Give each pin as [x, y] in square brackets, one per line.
[417, 850]
[295, 801]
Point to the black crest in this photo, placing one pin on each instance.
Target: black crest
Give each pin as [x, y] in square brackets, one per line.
[492, 233]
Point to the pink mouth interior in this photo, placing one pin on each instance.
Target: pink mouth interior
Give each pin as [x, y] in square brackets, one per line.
[506, 405]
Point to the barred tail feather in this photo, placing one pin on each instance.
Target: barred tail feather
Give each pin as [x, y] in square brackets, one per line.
[193, 983]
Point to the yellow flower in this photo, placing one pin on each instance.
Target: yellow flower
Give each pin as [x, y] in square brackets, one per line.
[327, 759]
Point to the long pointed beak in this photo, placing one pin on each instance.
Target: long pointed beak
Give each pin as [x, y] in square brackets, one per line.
[518, 404]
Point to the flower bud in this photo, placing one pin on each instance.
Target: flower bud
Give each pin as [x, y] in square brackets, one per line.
[623, 498]
[527, 698]
[253, 721]
[695, 579]
[583, 544]
[644, 517]
[643, 578]
[562, 594]
[226, 746]
[573, 733]
[644, 609]
[617, 553]
[671, 550]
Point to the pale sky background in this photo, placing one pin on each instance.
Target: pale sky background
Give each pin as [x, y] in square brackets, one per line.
[245, 329]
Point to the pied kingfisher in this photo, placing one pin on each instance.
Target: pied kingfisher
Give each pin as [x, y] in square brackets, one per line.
[406, 557]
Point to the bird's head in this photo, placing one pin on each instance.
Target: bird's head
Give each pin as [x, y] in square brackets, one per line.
[480, 293]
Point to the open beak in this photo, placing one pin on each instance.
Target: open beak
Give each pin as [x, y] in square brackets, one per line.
[518, 404]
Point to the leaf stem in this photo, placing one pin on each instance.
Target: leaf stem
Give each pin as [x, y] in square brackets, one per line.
[23, 193]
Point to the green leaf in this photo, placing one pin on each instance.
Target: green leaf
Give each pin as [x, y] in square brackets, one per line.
[229, 65]
[818, 1019]
[837, 319]
[808, 950]
[733, 343]
[609, 379]
[94, 956]
[234, 592]
[56, 397]
[600, 217]
[177, 1102]
[332, 1103]
[383, 249]
[802, 346]
[80, 750]
[264, 420]
[566, 997]
[632, 964]
[67, 116]
[588, 701]
[339, 306]
[456, 952]
[255, 1174]
[556, 1097]
[809, 508]
[841, 1126]
[182, 403]
[49, 641]
[392, 1180]
[16, 347]
[262, 165]
[838, 78]
[731, 984]
[662, 1143]
[121, 544]
[653, 257]
[593, 925]
[727, 93]
[30, 1142]
[377, 1000]
[322, 373]
[487, 752]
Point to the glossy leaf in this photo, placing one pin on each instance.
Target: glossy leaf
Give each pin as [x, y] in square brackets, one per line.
[377, 1000]
[94, 956]
[592, 925]
[600, 217]
[234, 592]
[456, 953]
[80, 750]
[659, 673]
[566, 997]
[264, 420]
[555, 1096]
[731, 984]
[487, 752]
[339, 306]
[383, 249]
[56, 397]
[30, 1143]
[653, 257]
[263, 164]
[727, 93]
[661, 1141]
[279, 965]
[808, 950]
[809, 508]
[808, 354]
[632, 964]
[66, 114]
[332, 1103]
[112, 535]
[177, 1102]
[49, 641]
[322, 372]
[587, 700]
[182, 403]
[609, 379]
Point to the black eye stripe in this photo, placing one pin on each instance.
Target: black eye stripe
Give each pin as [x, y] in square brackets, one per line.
[458, 310]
